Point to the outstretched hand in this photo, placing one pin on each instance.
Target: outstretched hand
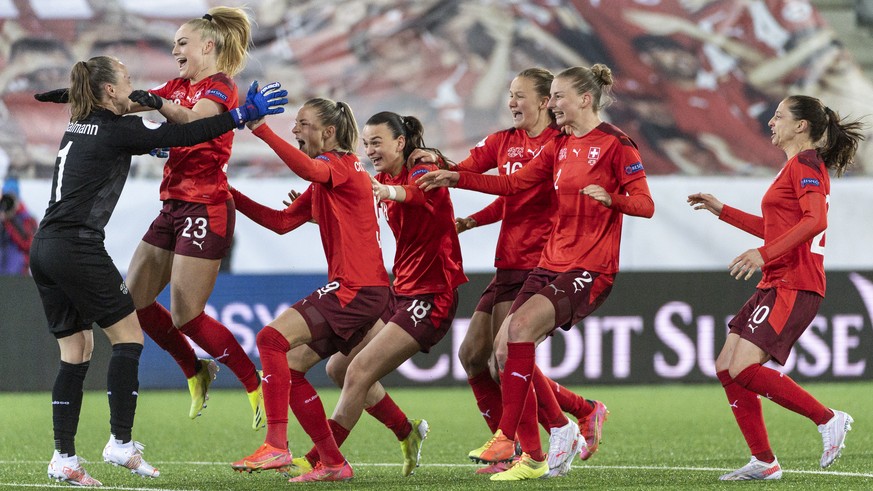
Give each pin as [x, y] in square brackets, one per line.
[437, 179]
[259, 103]
[702, 201]
[464, 224]
[58, 96]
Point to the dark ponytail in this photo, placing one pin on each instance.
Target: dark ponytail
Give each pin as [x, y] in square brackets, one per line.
[839, 138]
[87, 79]
[409, 127]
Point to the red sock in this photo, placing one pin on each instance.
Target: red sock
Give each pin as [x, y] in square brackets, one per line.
[309, 411]
[157, 322]
[339, 432]
[527, 432]
[746, 406]
[546, 400]
[780, 389]
[273, 348]
[217, 340]
[570, 401]
[488, 398]
[390, 415]
[312, 456]
[519, 400]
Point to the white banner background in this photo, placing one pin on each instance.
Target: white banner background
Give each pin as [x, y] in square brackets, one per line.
[676, 239]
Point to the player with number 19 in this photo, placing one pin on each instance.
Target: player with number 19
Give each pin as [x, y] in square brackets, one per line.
[336, 317]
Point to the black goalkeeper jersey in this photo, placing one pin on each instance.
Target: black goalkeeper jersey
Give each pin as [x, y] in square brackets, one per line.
[94, 160]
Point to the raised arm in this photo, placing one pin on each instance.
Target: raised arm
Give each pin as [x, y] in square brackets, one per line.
[746, 222]
[279, 221]
[312, 170]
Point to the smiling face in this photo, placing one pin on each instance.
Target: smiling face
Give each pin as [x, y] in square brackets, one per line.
[527, 108]
[784, 129]
[309, 132]
[383, 150]
[565, 102]
[194, 55]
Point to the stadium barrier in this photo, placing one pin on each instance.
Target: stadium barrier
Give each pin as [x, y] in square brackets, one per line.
[654, 328]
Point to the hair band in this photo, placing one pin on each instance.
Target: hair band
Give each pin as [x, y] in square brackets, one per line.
[208, 17]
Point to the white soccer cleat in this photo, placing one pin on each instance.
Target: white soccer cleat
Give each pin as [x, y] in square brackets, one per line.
[563, 446]
[833, 436]
[128, 455]
[755, 470]
[70, 470]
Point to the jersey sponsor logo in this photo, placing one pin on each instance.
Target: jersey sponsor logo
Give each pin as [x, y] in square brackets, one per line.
[323, 157]
[217, 93]
[576, 152]
[198, 244]
[535, 153]
[633, 168]
[418, 172]
[152, 125]
[123, 288]
[809, 181]
[515, 152]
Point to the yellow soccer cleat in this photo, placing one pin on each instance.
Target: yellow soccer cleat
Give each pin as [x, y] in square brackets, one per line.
[298, 467]
[256, 399]
[198, 386]
[411, 445]
[525, 468]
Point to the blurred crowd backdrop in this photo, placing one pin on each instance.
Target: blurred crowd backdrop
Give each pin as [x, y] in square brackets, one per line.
[696, 80]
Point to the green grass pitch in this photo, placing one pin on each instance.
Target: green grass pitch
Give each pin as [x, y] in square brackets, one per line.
[663, 437]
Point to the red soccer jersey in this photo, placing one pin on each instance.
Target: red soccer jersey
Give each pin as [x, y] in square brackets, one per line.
[428, 257]
[527, 215]
[340, 199]
[586, 234]
[802, 267]
[198, 173]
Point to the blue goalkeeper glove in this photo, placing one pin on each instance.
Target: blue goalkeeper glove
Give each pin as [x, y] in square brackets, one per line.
[161, 153]
[260, 103]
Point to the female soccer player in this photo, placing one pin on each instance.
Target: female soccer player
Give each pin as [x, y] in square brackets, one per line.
[815, 140]
[523, 235]
[194, 230]
[424, 298]
[77, 281]
[337, 316]
[598, 177]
